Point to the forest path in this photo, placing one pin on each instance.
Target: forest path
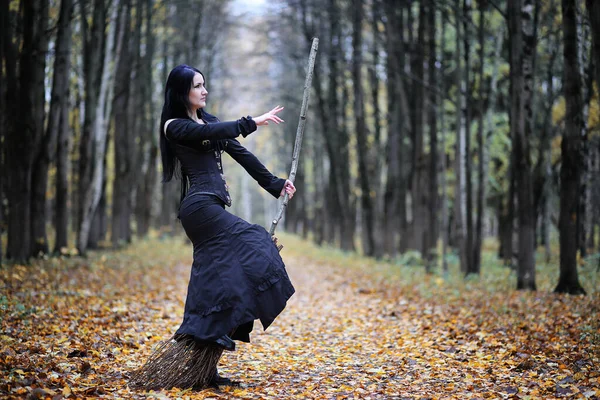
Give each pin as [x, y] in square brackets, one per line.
[345, 335]
[75, 327]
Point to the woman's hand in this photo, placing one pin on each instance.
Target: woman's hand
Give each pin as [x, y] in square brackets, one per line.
[269, 116]
[288, 188]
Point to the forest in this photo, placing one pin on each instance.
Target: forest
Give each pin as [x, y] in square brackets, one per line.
[444, 240]
[433, 125]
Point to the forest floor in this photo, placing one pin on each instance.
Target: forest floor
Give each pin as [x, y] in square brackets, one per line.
[356, 328]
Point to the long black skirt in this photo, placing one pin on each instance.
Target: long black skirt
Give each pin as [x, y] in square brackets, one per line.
[237, 275]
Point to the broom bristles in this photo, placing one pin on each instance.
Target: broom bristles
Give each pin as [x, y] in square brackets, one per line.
[183, 363]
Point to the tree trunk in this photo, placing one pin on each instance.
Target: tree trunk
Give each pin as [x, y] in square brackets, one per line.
[523, 45]
[23, 138]
[478, 237]
[570, 174]
[93, 55]
[146, 191]
[136, 118]
[419, 176]
[5, 33]
[460, 192]
[62, 182]
[468, 169]
[593, 7]
[376, 163]
[361, 129]
[91, 197]
[432, 229]
[396, 128]
[59, 102]
[585, 75]
[123, 132]
[441, 112]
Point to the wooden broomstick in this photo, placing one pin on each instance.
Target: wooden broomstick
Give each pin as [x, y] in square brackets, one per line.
[299, 135]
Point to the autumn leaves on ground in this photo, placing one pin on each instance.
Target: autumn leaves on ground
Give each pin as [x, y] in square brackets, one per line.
[355, 328]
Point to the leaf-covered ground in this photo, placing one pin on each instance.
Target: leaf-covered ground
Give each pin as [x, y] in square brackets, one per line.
[74, 328]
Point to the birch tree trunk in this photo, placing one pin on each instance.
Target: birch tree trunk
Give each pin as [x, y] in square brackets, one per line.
[91, 197]
[93, 54]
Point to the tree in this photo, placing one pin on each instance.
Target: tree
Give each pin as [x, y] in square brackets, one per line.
[26, 123]
[93, 141]
[124, 135]
[46, 155]
[361, 129]
[522, 42]
[568, 281]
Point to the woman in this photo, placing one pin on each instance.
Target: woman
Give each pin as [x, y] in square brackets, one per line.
[237, 274]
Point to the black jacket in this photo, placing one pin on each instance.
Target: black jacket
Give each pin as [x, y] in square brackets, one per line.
[198, 148]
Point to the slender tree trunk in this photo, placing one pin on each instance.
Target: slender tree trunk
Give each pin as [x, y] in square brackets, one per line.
[91, 197]
[345, 195]
[376, 163]
[593, 8]
[419, 176]
[93, 55]
[59, 102]
[460, 192]
[468, 169]
[123, 132]
[62, 182]
[23, 138]
[441, 111]
[39, 174]
[146, 192]
[136, 118]
[393, 222]
[432, 220]
[523, 45]
[361, 129]
[585, 74]
[478, 237]
[570, 174]
[546, 148]
[5, 45]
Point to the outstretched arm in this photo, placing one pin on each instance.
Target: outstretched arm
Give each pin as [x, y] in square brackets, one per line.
[255, 168]
[188, 132]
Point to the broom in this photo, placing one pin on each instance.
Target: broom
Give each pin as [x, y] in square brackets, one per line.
[184, 362]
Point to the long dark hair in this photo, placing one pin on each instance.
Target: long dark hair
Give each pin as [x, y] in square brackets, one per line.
[176, 105]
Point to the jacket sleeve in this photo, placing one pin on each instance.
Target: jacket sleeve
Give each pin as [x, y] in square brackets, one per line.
[188, 132]
[255, 168]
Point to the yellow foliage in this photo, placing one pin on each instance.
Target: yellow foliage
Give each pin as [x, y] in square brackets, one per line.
[558, 111]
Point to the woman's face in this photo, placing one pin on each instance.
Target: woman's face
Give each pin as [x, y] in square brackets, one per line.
[198, 92]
